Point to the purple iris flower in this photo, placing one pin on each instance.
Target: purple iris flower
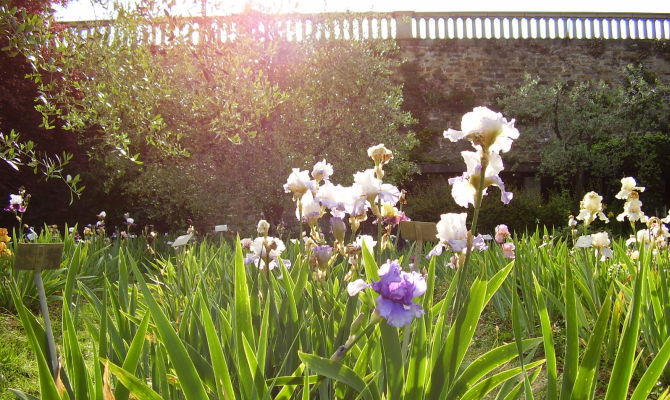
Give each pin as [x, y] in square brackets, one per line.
[338, 228]
[16, 203]
[397, 290]
[393, 220]
[322, 255]
[16, 207]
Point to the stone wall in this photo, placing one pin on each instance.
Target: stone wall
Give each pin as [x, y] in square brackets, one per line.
[445, 78]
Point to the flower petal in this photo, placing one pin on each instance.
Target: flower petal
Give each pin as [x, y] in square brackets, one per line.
[397, 315]
[389, 194]
[457, 245]
[462, 191]
[479, 242]
[454, 135]
[436, 251]
[584, 241]
[353, 288]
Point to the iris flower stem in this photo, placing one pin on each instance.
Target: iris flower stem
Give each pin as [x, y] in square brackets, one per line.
[397, 237]
[353, 339]
[299, 205]
[379, 231]
[267, 263]
[20, 238]
[342, 350]
[473, 229]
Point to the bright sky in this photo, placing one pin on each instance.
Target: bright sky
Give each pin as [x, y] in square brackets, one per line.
[84, 10]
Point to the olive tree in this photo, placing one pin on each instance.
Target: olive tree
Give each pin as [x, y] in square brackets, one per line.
[590, 134]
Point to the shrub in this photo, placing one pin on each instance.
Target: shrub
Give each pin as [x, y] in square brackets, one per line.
[528, 208]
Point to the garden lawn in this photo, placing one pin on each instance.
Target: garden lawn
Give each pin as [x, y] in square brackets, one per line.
[18, 368]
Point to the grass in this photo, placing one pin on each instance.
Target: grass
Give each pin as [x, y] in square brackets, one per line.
[494, 328]
[18, 368]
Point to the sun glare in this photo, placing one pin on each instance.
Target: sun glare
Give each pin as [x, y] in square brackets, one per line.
[87, 10]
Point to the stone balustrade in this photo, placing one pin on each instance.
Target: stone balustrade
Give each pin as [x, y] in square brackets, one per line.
[539, 26]
[399, 25]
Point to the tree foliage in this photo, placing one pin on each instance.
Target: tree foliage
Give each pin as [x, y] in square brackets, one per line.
[18, 21]
[211, 130]
[590, 134]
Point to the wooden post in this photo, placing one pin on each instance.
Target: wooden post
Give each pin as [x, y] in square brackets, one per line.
[419, 232]
[36, 257]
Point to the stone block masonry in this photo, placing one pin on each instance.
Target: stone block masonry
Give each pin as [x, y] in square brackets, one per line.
[478, 68]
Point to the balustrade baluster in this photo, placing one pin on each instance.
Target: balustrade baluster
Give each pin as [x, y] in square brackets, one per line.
[367, 28]
[357, 29]
[347, 28]
[616, 26]
[307, 29]
[534, 30]
[579, 29]
[631, 29]
[647, 31]
[528, 28]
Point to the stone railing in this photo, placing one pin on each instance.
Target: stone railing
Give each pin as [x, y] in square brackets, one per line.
[539, 26]
[400, 25]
